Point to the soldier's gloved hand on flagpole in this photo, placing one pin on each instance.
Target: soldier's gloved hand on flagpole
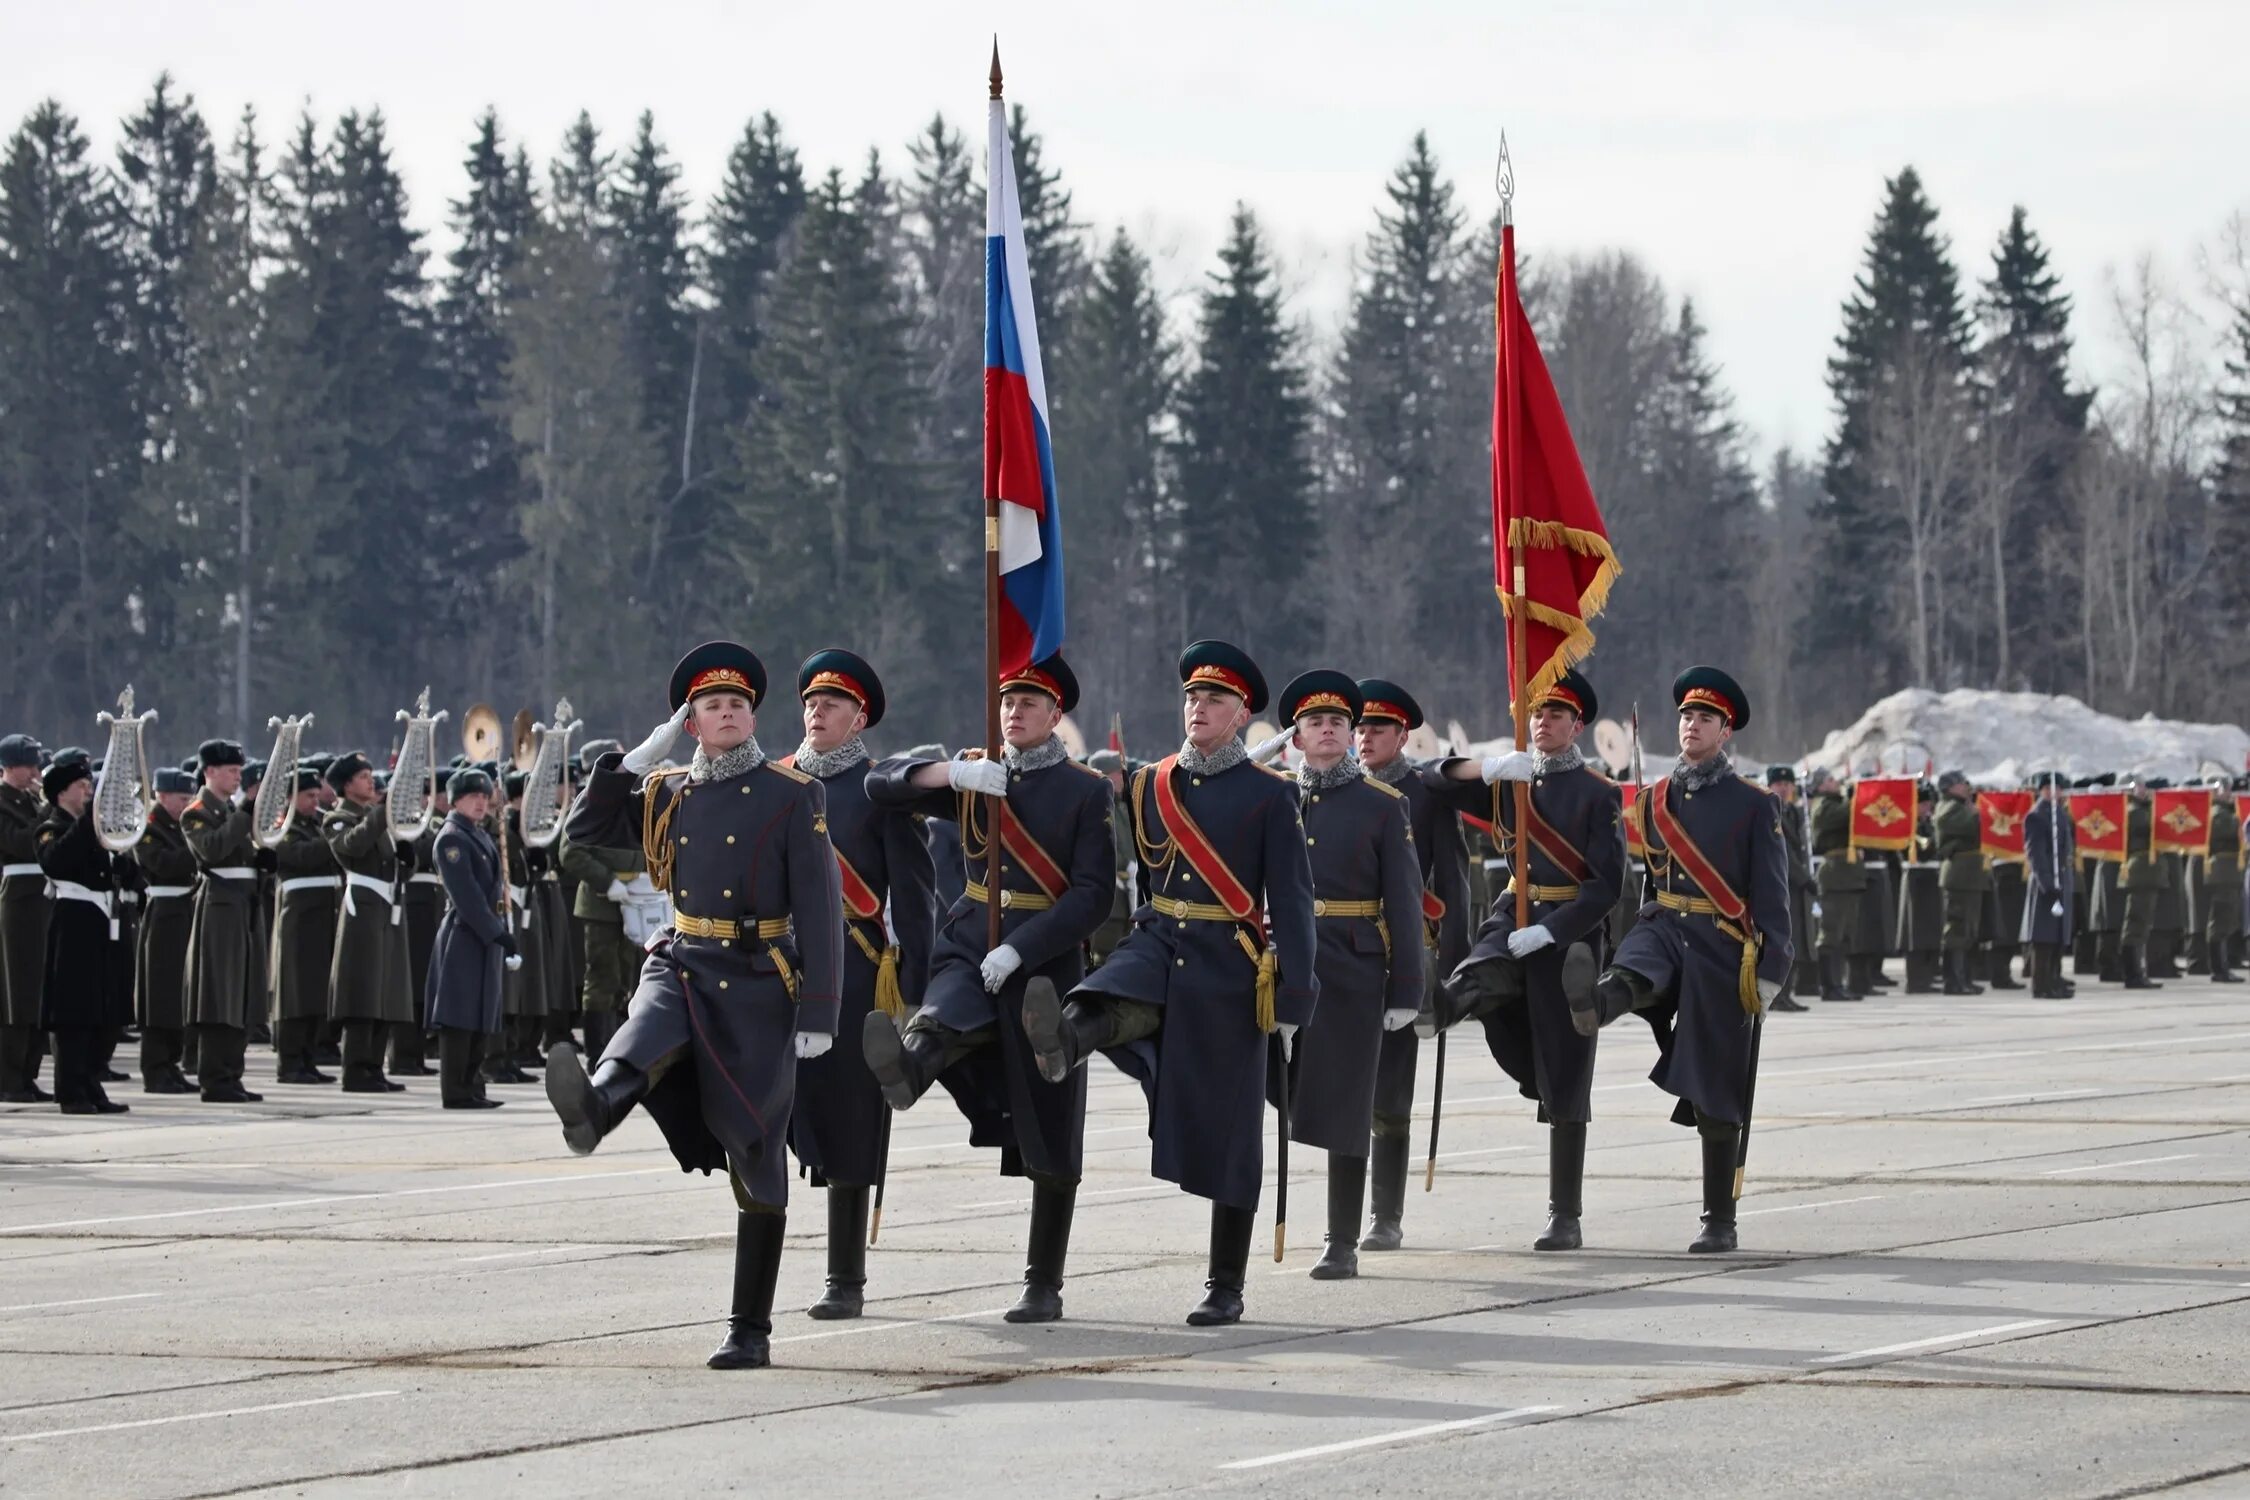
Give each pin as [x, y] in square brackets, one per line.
[1768, 991]
[811, 1044]
[651, 750]
[617, 891]
[998, 965]
[1400, 1019]
[1525, 941]
[1288, 1031]
[987, 778]
[1516, 765]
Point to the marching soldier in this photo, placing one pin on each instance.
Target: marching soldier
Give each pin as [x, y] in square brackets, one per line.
[611, 959]
[23, 922]
[1388, 714]
[226, 964]
[2050, 901]
[1796, 835]
[744, 985]
[1188, 1002]
[304, 937]
[2142, 883]
[840, 1127]
[1842, 885]
[423, 906]
[89, 971]
[1525, 984]
[1963, 877]
[1714, 945]
[367, 973]
[2221, 916]
[1367, 895]
[1056, 870]
[160, 969]
[472, 946]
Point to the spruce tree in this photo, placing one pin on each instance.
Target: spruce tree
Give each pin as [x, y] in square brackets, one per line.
[1246, 477]
[747, 234]
[942, 223]
[648, 218]
[2230, 494]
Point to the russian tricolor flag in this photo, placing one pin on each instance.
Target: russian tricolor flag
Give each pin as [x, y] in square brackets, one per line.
[1019, 464]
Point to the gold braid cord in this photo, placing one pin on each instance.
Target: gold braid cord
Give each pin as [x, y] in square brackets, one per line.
[1578, 636]
[656, 828]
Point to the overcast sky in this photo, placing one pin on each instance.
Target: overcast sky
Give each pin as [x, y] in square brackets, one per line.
[1739, 146]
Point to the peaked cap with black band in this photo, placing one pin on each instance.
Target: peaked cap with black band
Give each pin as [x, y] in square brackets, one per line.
[1215, 664]
[845, 674]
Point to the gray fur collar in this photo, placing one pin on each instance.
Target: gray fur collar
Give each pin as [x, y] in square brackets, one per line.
[1396, 773]
[1695, 778]
[1229, 755]
[1345, 770]
[826, 763]
[1050, 751]
[740, 761]
[1565, 759]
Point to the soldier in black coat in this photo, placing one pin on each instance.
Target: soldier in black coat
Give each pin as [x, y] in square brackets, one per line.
[743, 986]
[2050, 899]
[473, 945]
[1188, 1003]
[160, 998]
[1522, 982]
[23, 922]
[1367, 897]
[1388, 713]
[1056, 870]
[89, 972]
[1713, 947]
[840, 1126]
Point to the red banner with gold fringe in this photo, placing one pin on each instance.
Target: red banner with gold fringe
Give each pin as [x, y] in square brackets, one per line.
[1883, 813]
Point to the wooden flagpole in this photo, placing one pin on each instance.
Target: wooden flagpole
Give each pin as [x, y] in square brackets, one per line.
[992, 621]
[1511, 477]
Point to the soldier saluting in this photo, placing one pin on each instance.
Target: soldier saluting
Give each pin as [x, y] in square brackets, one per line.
[1187, 1003]
[837, 1128]
[1523, 983]
[1057, 869]
[1367, 897]
[743, 985]
[1713, 945]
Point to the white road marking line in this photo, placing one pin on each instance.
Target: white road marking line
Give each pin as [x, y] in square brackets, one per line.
[471, 1260]
[845, 1333]
[80, 1302]
[1492, 1151]
[1931, 1343]
[1164, 1187]
[965, 1146]
[245, 1208]
[1352, 1445]
[193, 1416]
[1793, 1208]
[2097, 1166]
[2028, 1098]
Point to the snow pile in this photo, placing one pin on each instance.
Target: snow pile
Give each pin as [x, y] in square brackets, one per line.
[2001, 738]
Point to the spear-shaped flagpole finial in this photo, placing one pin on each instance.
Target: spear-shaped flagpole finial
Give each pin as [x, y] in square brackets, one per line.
[995, 65]
[1504, 181]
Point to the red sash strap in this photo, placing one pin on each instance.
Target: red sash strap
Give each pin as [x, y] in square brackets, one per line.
[1196, 847]
[1037, 862]
[1558, 849]
[859, 897]
[1691, 859]
[1433, 906]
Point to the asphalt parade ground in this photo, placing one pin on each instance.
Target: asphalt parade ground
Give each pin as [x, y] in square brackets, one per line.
[1993, 1246]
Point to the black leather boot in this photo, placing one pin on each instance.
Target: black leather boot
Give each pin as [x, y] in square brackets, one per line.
[1617, 992]
[1386, 1192]
[2132, 959]
[1052, 1203]
[757, 1264]
[2109, 961]
[1347, 1191]
[847, 1255]
[2161, 957]
[1230, 1263]
[905, 1064]
[2220, 972]
[590, 1108]
[2000, 970]
[1566, 1185]
[1832, 978]
[1957, 973]
[1062, 1036]
[1722, 1150]
[1859, 982]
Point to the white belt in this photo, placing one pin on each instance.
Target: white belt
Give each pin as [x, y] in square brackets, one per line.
[233, 872]
[130, 898]
[309, 882]
[71, 890]
[381, 888]
[167, 892]
[425, 877]
[10, 872]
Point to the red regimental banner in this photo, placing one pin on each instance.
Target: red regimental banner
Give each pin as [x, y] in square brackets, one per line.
[1883, 813]
[2099, 818]
[2182, 820]
[2000, 818]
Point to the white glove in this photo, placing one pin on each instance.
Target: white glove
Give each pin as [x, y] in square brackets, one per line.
[512, 962]
[617, 891]
[998, 965]
[1288, 1040]
[651, 750]
[986, 777]
[1399, 1020]
[1769, 990]
[1525, 941]
[1516, 765]
[811, 1044]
